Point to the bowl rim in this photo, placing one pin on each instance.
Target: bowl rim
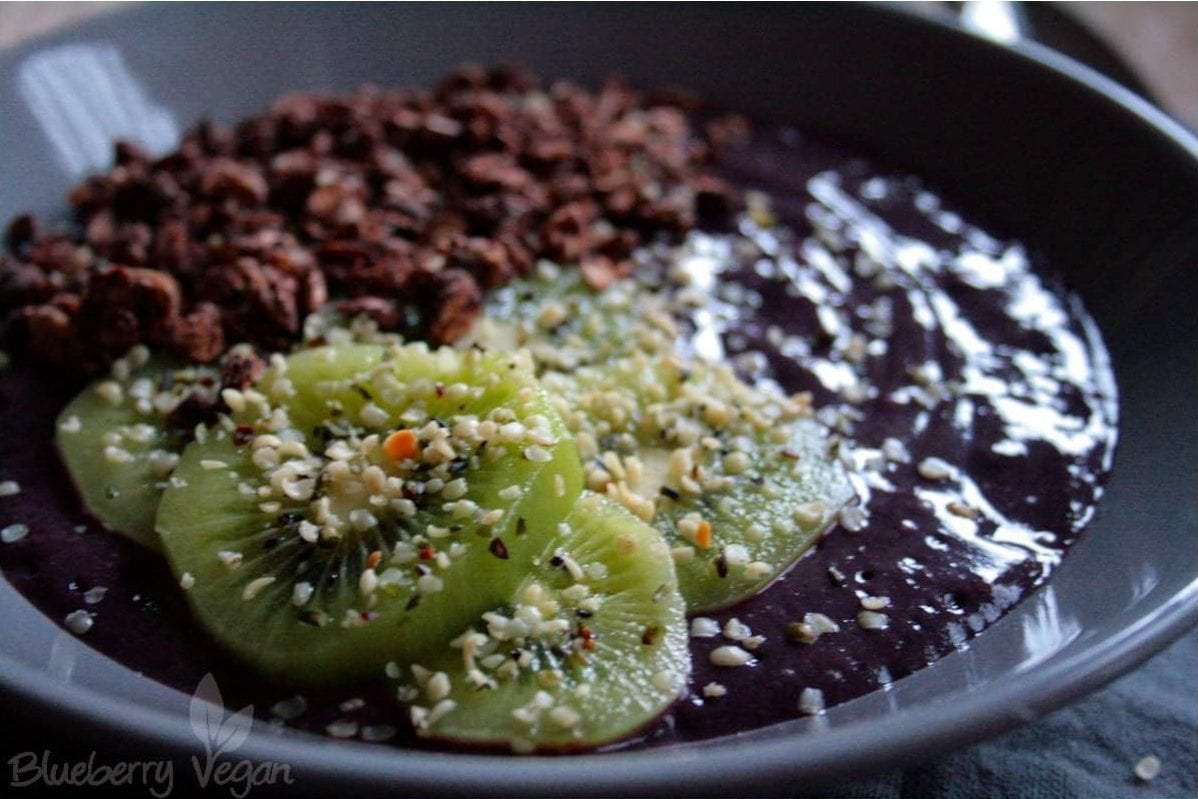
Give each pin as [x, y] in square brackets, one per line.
[720, 765]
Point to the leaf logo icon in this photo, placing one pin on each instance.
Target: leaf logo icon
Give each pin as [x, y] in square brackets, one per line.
[208, 722]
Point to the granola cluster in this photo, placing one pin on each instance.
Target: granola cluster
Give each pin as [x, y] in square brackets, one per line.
[403, 204]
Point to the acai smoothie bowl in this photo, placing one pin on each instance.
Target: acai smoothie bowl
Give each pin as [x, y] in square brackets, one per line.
[521, 417]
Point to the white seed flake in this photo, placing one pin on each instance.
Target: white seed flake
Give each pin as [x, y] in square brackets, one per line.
[664, 680]
[730, 656]
[254, 587]
[376, 733]
[714, 690]
[565, 717]
[373, 416]
[736, 630]
[9, 488]
[935, 469]
[875, 602]
[111, 392]
[870, 620]
[810, 512]
[537, 454]
[14, 532]
[288, 709]
[1148, 768]
[342, 728]
[704, 627]
[94, 596]
[437, 687]
[309, 532]
[757, 570]
[301, 592]
[79, 621]
[811, 701]
[853, 518]
[429, 584]
[362, 519]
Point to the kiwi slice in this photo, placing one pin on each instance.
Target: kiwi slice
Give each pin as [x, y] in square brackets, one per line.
[115, 442]
[363, 500]
[739, 479]
[589, 647]
[565, 324]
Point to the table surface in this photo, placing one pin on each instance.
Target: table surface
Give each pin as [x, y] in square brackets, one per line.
[1089, 749]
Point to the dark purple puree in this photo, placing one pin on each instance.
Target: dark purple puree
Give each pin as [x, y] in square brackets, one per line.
[876, 283]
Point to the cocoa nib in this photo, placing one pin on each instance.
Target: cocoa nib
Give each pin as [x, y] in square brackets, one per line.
[457, 301]
[198, 407]
[241, 369]
[385, 313]
[401, 204]
[198, 336]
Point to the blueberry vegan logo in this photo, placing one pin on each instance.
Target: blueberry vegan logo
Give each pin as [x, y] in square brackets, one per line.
[222, 735]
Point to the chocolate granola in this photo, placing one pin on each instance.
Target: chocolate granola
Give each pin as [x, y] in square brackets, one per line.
[403, 204]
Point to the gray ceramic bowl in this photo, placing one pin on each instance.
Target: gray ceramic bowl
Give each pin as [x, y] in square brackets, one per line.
[1103, 183]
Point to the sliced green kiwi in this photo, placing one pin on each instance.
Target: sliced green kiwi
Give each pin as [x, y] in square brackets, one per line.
[116, 444]
[565, 324]
[740, 480]
[591, 645]
[310, 552]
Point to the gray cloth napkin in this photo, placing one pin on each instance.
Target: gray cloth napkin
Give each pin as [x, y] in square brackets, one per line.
[1088, 750]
